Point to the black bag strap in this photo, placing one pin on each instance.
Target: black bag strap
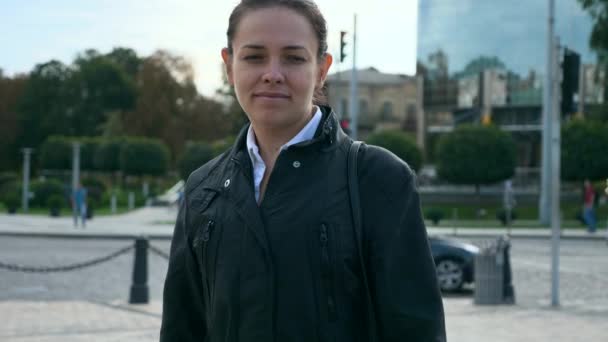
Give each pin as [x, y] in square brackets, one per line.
[355, 206]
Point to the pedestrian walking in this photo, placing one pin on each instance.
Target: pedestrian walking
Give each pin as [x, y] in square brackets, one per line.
[79, 204]
[588, 206]
[267, 245]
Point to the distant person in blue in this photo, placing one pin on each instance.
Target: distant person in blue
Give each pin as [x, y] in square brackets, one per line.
[79, 202]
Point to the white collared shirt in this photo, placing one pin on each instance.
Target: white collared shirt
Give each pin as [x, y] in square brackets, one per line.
[259, 167]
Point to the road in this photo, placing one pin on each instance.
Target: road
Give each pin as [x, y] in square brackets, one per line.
[584, 271]
[106, 282]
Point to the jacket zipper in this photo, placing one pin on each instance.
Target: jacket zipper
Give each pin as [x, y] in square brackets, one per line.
[206, 237]
[327, 274]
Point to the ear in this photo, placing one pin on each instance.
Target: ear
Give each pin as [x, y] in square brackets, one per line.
[324, 65]
[228, 65]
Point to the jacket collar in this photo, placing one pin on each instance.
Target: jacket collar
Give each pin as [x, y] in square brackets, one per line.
[329, 135]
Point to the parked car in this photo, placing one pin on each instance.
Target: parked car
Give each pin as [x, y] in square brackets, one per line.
[454, 261]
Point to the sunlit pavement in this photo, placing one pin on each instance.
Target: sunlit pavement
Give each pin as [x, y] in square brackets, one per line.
[89, 321]
[531, 319]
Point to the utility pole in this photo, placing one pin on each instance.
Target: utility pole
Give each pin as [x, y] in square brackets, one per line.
[555, 177]
[354, 92]
[75, 178]
[545, 183]
[25, 198]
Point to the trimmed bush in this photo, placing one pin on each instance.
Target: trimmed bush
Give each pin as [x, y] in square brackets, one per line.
[584, 145]
[221, 146]
[475, 155]
[88, 152]
[43, 190]
[56, 153]
[95, 189]
[107, 155]
[55, 203]
[434, 214]
[142, 156]
[401, 144]
[501, 215]
[12, 201]
[195, 155]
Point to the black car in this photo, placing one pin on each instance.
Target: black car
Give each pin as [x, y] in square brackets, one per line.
[454, 261]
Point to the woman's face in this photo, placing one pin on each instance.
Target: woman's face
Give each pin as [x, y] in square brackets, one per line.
[274, 67]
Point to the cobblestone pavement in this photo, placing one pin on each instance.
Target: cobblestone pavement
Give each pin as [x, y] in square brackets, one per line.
[89, 305]
[583, 274]
[78, 321]
[68, 321]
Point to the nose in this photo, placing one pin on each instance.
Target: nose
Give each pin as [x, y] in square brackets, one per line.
[274, 74]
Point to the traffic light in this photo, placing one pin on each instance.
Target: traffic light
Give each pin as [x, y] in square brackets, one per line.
[345, 125]
[342, 46]
[570, 70]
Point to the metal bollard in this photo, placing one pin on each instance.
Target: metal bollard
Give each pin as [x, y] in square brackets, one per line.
[139, 287]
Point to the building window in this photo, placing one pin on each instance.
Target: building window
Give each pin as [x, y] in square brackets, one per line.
[386, 114]
[343, 110]
[363, 108]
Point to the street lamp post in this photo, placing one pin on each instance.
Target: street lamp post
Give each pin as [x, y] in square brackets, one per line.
[27, 153]
[75, 178]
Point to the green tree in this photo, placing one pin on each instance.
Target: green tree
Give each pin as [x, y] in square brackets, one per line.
[475, 155]
[44, 105]
[11, 90]
[402, 145]
[584, 146]
[235, 115]
[98, 86]
[598, 9]
[126, 59]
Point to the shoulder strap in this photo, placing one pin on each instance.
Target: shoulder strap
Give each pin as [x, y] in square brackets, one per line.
[355, 206]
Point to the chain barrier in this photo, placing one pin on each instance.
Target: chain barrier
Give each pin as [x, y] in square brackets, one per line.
[72, 267]
[158, 252]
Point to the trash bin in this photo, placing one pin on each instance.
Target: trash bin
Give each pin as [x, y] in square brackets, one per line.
[493, 280]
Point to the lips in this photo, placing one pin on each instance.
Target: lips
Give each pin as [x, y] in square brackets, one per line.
[271, 95]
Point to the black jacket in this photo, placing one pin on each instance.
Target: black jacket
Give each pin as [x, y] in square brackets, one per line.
[288, 270]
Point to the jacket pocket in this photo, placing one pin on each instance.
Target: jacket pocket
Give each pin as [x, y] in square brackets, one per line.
[328, 274]
[206, 246]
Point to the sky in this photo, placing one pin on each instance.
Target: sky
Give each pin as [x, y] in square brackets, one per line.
[36, 31]
[513, 30]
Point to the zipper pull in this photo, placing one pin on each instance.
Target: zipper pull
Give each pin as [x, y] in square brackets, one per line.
[207, 230]
[323, 234]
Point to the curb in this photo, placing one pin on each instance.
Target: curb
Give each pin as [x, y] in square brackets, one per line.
[598, 236]
[96, 236]
[521, 236]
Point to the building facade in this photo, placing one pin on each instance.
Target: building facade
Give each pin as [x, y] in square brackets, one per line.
[385, 101]
[475, 72]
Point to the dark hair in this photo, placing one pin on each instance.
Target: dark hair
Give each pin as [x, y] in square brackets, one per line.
[306, 8]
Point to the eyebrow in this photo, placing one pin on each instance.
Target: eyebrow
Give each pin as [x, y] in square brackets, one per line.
[261, 47]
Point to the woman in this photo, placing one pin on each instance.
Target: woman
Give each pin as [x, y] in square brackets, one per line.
[263, 248]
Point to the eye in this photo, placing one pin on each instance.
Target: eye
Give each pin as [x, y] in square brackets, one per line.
[253, 57]
[296, 59]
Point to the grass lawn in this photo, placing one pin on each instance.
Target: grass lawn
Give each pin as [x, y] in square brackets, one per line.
[67, 212]
[464, 215]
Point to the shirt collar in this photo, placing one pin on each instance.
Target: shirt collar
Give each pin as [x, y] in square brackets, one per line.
[307, 133]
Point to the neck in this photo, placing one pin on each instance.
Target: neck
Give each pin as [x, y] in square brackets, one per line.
[270, 139]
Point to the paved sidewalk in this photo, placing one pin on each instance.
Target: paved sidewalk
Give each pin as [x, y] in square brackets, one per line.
[157, 222]
[72, 321]
[466, 322]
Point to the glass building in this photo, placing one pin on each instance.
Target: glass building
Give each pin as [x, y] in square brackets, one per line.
[484, 61]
